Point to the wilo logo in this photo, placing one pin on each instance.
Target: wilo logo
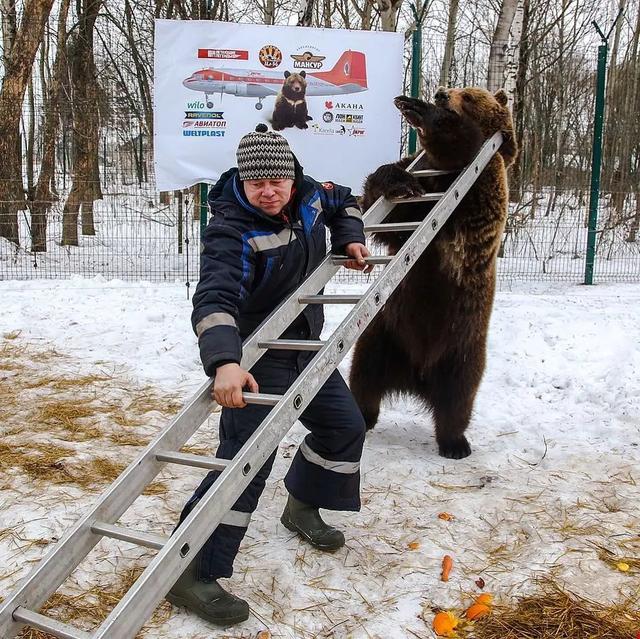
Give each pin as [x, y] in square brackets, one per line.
[196, 105]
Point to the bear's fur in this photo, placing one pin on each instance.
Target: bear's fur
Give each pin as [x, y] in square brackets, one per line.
[429, 340]
[291, 107]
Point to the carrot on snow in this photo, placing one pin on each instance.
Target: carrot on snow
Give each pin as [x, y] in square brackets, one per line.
[447, 565]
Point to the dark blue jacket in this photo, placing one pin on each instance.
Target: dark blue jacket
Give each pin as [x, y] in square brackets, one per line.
[250, 262]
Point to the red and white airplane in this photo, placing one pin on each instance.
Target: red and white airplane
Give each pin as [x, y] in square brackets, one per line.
[349, 75]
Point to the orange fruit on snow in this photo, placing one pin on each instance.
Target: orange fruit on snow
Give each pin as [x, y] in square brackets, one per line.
[444, 624]
[477, 610]
[485, 599]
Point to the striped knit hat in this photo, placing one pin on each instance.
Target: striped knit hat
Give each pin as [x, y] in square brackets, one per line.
[264, 155]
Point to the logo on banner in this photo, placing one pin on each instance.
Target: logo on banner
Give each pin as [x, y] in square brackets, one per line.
[307, 60]
[204, 124]
[198, 133]
[358, 133]
[270, 56]
[203, 115]
[223, 54]
[348, 106]
[328, 104]
[327, 116]
[349, 118]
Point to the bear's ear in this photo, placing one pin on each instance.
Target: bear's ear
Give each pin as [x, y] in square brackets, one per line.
[502, 97]
[303, 74]
[287, 74]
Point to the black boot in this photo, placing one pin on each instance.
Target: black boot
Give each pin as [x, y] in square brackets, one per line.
[306, 521]
[208, 600]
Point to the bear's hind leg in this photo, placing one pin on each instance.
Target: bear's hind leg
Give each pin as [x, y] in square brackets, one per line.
[378, 368]
[454, 383]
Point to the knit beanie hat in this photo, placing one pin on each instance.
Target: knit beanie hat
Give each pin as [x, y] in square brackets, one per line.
[264, 155]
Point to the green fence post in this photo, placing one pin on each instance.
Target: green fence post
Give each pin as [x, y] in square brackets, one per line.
[596, 163]
[416, 59]
[204, 207]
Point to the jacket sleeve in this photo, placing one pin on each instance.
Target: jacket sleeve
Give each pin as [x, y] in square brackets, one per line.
[226, 270]
[342, 214]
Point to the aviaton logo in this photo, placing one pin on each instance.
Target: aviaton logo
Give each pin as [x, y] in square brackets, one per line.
[307, 60]
[270, 56]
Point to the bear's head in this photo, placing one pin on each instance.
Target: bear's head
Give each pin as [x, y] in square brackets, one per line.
[295, 85]
[454, 126]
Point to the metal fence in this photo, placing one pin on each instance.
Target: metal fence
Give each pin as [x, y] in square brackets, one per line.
[139, 238]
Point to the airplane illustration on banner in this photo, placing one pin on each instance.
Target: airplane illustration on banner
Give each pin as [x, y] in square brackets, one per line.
[349, 75]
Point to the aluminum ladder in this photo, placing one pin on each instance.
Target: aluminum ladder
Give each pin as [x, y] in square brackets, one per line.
[176, 552]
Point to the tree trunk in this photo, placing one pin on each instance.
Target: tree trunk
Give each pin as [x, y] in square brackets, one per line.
[305, 14]
[499, 43]
[449, 47]
[43, 196]
[389, 13]
[19, 62]
[516, 186]
[85, 188]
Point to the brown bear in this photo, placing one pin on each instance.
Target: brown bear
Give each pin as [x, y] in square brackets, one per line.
[291, 107]
[430, 338]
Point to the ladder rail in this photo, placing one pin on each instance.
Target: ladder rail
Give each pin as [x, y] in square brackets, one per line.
[62, 559]
[138, 604]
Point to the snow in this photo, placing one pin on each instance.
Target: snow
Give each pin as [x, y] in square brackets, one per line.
[553, 474]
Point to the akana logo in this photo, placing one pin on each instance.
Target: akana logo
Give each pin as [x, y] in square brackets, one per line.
[328, 104]
[349, 106]
[270, 56]
[307, 60]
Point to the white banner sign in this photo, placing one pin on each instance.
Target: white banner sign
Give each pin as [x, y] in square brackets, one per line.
[328, 91]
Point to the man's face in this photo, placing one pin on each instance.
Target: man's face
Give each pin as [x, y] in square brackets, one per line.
[268, 195]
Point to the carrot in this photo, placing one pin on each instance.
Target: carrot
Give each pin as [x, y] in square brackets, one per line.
[476, 611]
[447, 565]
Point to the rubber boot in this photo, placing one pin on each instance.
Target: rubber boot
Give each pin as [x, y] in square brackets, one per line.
[306, 521]
[208, 600]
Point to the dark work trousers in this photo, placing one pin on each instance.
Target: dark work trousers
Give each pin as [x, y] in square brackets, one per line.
[324, 473]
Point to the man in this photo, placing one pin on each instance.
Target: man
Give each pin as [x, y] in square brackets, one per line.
[268, 232]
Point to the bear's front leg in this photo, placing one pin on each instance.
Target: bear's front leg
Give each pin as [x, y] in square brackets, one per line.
[391, 181]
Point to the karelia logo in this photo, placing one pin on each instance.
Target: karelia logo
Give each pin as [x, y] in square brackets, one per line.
[307, 60]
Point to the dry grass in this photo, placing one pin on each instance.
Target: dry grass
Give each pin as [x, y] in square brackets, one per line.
[91, 607]
[554, 613]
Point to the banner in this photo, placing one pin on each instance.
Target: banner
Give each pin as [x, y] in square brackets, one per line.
[328, 91]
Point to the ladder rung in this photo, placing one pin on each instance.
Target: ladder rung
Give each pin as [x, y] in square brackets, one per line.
[186, 459]
[149, 540]
[292, 344]
[261, 399]
[329, 299]
[431, 172]
[395, 226]
[427, 197]
[373, 259]
[56, 628]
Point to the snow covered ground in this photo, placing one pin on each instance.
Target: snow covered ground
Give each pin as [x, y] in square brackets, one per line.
[554, 473]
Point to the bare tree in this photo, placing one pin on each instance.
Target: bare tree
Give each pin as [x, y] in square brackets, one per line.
[449, 46]
[499, 43]
[19, 62]
[43, 196]
[86, 127]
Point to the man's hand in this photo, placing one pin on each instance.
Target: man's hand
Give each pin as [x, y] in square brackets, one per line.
[359, 252]
[230, 380]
